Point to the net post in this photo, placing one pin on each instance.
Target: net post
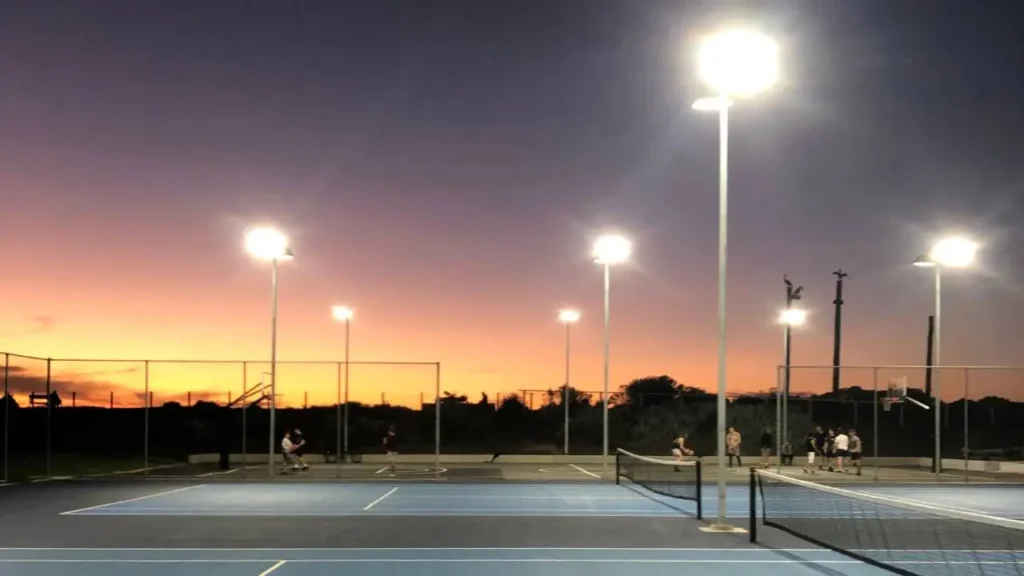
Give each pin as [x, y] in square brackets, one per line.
[753, 504]
[617, 463]
[700, 497]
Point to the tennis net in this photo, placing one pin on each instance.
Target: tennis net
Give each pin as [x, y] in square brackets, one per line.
[901, 535]
[674, 479]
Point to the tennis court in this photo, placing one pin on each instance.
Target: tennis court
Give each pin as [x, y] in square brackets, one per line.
[647, 527]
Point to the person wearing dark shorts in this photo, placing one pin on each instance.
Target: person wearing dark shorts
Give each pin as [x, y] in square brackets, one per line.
[391, 449]
[856, 448]
[766, 447]
[830, 449]
[842, 444]
[812, 446]
[299, 449]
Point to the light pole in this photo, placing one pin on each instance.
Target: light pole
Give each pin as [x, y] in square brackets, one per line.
[567, 317]
[608, 251]
[955, 252]
[788, 318]
[792, 295]
[343, 314]
[269, 244]
[734, 63]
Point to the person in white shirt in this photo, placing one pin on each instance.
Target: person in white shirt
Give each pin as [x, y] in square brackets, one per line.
[842, 443]
[288, 450]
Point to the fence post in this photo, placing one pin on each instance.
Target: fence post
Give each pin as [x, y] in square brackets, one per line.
[49, 415]
[874, 433]
[7, 409]
[967, 444]
[245, 405]
[437, 421]
[145, 431]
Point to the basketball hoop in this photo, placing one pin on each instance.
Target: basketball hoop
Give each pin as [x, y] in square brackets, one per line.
[887, 403]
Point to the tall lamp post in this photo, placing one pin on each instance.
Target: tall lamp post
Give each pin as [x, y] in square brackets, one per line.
[567, 317]
[608, 251]
[788, 318]
[269, 244]
[955, 252]
[343, 314]
[735, 63]
[792, 295]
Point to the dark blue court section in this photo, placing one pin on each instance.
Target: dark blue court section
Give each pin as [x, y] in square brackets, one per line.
[408, 500]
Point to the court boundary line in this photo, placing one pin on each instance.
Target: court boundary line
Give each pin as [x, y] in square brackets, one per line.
[493, 549]
[274, 567]
[824, 561]
[374, 503]
[220, 472]
[587, 472]
[164, 493]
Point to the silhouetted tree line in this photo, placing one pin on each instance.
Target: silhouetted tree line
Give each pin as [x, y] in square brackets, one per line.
[644, 416]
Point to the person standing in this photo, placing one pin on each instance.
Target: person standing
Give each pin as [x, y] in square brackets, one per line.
[766, 447]
[856, 447]
[732, 443]
[391, 449]
[842, 443]
[298, 450]
[813, 448]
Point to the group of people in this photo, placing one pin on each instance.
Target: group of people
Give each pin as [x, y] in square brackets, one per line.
[292, 448]
[837, 451]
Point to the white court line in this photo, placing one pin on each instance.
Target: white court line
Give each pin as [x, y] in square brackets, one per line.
[587, 472]
[272, 568]
[382, 470]
[933, 503]
[221, 472]
[390, 492]
[512, 561]
[166, 492]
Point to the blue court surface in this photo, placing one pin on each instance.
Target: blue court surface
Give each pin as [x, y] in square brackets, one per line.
[494, 506]
[428, 562]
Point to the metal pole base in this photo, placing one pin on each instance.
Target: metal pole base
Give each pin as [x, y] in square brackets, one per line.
[722, 529]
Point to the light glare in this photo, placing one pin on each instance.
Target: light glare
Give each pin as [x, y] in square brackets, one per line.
[740, 62]
[267, 244]
[923, 261]
[612, 249]
[793, 317]
[568, 316]
[954, 252]
[342, 313]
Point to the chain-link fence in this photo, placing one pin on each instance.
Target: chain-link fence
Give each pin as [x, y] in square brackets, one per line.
[65, 417]
[958, 412]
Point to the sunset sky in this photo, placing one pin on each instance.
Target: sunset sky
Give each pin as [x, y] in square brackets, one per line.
[444, 166]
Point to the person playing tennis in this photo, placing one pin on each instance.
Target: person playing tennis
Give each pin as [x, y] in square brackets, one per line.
[679, 449]
[288, 451]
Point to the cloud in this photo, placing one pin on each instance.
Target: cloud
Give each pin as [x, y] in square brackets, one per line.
[38, 325]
